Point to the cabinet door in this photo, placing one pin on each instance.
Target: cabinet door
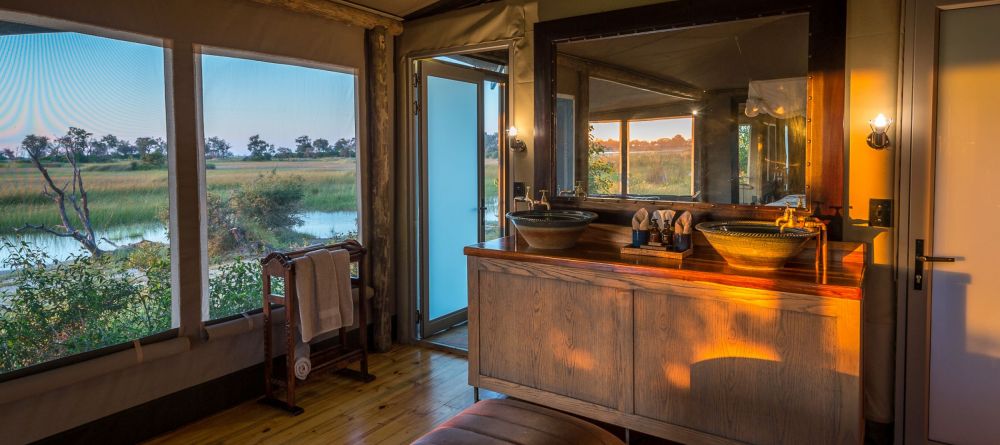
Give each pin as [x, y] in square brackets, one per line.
[753, 366]
[572, 339]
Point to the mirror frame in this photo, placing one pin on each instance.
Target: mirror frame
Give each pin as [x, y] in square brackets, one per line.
[825, 102]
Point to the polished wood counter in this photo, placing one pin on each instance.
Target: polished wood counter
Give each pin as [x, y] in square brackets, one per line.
[692, 351]
[842, 278]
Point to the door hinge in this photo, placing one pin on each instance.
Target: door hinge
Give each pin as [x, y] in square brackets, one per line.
[416, 107]
[416, 79]
[418, 315]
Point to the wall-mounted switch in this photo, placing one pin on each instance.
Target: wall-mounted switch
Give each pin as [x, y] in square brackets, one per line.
[880, 213]
[518, 189]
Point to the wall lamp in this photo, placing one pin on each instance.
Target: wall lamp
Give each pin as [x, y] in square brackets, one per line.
[515, 143]
[879, 137]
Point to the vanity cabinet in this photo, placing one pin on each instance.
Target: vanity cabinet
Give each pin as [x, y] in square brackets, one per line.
[693, 352]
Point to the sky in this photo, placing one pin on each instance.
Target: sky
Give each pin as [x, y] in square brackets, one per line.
[51, 81]
[645, 130]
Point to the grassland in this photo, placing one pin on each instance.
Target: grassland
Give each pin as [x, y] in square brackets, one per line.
[121, 196]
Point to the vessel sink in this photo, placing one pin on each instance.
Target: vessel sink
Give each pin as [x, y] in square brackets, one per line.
[755, 245]
[551, 229]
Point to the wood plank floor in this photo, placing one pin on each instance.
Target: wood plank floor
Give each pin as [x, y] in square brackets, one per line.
[415, 390]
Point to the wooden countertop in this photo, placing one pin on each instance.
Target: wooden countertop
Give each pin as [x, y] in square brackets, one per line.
[842, 279]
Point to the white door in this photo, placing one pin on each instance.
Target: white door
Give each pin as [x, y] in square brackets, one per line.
[953, 299]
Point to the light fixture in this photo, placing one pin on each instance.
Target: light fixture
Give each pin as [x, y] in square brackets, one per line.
[879, 137]
[515, 143]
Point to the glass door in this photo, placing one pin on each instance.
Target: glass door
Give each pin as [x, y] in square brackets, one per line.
[460, 161]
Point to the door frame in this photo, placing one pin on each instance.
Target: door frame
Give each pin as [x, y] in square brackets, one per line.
[409, 303]
[914, 195]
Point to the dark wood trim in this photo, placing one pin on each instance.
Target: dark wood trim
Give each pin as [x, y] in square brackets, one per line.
[827, 27]
[443, 6]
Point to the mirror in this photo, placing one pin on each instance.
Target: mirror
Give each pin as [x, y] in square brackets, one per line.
[715, 113]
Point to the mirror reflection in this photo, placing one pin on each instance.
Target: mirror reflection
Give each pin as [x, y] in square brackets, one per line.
[713, 113]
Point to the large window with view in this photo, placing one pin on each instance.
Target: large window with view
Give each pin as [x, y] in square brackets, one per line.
[84, 248]
[281, 167]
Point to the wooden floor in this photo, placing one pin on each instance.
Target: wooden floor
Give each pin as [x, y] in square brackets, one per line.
[415, 389]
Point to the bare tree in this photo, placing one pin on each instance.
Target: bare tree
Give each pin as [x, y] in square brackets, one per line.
[72, 192]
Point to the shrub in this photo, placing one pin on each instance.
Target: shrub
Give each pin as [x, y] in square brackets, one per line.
[271, 201]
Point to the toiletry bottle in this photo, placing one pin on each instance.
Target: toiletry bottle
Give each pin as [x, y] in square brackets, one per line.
[654, 233]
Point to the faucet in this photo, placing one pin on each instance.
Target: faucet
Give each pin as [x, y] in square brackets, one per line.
[543, 201]
[789, 220]
[578, 190]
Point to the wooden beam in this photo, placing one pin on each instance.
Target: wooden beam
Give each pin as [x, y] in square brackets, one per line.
[380, 174]
[341, 13]
[631, 78]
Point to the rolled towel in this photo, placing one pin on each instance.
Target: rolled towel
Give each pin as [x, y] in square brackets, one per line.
[640, 221]
[663, 217]
[682, 223]
[303, 365]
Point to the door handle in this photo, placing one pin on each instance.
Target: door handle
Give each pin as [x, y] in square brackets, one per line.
[920, 259]
[936, 259]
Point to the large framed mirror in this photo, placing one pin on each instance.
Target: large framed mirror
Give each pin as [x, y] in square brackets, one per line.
[697, 104]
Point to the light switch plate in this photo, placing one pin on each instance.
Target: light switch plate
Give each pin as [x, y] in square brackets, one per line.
[880, 213]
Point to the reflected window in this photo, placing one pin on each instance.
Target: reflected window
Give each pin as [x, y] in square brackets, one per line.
[660, 156]
[604, 158]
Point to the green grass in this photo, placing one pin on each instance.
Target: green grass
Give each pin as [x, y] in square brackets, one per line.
[119, 196]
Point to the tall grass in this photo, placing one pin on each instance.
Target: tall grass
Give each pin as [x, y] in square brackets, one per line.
[135, 197]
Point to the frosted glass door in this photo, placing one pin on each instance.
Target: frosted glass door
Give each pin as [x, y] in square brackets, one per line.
[452, 205]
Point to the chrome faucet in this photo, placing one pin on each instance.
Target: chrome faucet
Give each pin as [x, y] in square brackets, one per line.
[543, 201]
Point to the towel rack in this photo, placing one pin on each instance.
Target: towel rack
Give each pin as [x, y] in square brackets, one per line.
[282, 265]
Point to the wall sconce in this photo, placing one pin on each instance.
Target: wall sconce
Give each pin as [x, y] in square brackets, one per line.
[879, 139]
[515, 143]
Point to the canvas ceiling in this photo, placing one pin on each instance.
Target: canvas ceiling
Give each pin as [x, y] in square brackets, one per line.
[397, 8]
[712, 57]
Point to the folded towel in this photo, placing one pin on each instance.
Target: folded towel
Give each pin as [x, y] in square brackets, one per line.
[682, 223]
[303, 364]
[640, 221]
[323, 284]
[663, 218]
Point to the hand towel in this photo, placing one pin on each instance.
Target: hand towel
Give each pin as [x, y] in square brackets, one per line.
[663, 217]
[682, 223]
[640, 221]
[323, 284]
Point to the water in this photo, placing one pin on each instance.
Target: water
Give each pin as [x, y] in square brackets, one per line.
[315, 224]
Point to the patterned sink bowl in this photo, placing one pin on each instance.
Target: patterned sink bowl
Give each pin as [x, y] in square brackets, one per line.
[755, 245]
[551, 229]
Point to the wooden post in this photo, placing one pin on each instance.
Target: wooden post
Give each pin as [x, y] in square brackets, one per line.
[381, 173]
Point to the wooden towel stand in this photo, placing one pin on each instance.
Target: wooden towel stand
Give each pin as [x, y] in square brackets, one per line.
[282, 265]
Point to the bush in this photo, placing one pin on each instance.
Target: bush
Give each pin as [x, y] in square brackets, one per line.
[82, 304]
[272, 202]
[235, 288]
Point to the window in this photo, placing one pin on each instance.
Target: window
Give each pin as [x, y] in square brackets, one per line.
[658, 158]
[604, 158]
[84, 249]
[282, 161]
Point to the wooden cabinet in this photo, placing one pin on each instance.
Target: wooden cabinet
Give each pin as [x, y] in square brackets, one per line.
[690, 361]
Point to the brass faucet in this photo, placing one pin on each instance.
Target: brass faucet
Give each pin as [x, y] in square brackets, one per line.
[543, 201]
[789, 220]
[578, 190]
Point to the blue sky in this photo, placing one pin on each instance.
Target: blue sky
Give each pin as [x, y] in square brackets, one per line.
[51, 81]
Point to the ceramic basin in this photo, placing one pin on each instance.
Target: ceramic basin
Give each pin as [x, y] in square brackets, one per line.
[551, 229]
[755, 245]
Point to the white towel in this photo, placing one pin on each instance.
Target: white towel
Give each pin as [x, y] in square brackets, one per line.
[303, 364]
[682, 224]
[640, 221]
[323, 284]
[663, 217]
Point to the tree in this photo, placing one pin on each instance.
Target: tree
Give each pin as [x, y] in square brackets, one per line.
[346, 148]
[283, 153]
[75, 142]
[107, 145]
[492, 143]
[71, 193]
[602, 175]
[323, 147]
[216, 147]
[259, 149]
[145, 146]
[126, 149]
[8, 153]
[304, 147]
